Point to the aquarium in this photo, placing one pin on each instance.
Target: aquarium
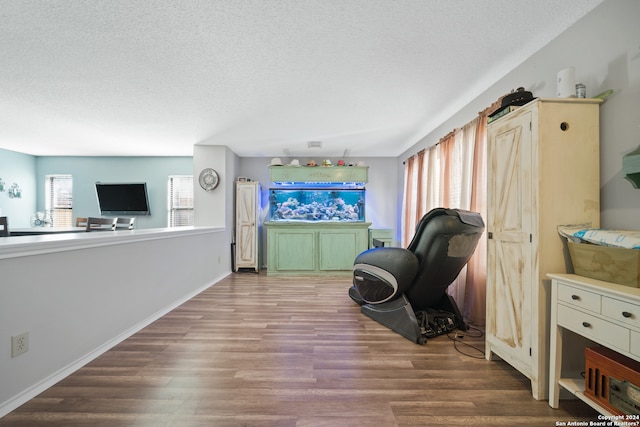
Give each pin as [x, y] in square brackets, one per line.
[316, 204]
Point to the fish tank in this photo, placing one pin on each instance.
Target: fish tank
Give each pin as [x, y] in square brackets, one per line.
[317, 204]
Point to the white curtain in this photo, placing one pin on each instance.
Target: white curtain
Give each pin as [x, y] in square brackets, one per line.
[459, 194]
[447, 177]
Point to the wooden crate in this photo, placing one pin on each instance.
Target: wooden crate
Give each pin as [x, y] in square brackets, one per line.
[602, 363]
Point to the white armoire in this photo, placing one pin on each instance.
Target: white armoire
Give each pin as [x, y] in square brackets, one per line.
[542, 172]
[247, 249]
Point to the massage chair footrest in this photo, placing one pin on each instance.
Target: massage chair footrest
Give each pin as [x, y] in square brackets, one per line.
[398, 316]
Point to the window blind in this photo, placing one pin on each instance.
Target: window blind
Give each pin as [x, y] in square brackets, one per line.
[180, 200]
[59, 199]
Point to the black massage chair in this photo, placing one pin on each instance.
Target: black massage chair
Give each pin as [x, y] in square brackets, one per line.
[392, 285]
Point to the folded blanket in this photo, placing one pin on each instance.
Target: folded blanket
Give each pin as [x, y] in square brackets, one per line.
[629, 239]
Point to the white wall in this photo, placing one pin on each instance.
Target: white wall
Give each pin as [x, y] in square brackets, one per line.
[605, 49]
[216, 207]
[209, 206]
[107, 287]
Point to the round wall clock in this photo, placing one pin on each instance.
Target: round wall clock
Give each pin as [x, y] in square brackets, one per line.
[209, 179]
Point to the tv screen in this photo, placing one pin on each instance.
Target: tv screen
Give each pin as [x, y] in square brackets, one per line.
[123, 198]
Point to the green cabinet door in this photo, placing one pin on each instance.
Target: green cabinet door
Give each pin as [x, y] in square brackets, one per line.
[338, 249]
[293, 250]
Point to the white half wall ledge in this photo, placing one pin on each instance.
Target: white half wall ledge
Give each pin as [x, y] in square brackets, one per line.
[18, 246]
[81, 294]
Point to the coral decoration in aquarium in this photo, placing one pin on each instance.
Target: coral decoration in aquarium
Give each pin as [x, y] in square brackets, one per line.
[317, 205]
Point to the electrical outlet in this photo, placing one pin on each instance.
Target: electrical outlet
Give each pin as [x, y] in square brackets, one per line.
[19, 344]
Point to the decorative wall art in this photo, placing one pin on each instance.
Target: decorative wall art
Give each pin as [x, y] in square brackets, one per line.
[15, 192]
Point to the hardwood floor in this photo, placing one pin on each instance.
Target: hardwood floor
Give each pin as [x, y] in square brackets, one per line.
[258, 351]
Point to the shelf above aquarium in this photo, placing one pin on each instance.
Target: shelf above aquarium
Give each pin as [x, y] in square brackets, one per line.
[295, 175]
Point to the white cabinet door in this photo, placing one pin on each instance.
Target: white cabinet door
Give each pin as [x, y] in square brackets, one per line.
[509, 250]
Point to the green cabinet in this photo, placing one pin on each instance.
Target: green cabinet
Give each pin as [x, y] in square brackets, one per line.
[295, 249]
[380, 235]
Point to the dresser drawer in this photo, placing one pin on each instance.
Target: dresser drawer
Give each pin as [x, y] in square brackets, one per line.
[635, 344]
[579, 298]
[621, 311]
[594, 327]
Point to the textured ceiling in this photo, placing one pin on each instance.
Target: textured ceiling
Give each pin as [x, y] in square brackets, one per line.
[264, 77]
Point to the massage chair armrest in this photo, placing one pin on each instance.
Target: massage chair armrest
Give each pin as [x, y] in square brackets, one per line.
[382, 274]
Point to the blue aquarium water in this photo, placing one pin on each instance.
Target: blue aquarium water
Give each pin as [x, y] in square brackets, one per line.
[316, 205]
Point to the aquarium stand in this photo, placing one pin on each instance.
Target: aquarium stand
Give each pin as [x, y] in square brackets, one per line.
[314, 248]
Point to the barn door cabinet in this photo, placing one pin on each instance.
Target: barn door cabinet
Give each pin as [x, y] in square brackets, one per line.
[542, 171]
[247, 225]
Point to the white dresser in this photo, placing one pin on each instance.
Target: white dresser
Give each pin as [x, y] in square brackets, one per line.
[588, 312]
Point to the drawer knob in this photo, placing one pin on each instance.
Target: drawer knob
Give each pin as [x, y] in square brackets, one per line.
[575, 297]
[626, 314]
[586, 324]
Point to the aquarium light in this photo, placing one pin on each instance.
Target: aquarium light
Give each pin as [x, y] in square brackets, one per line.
[356, 185]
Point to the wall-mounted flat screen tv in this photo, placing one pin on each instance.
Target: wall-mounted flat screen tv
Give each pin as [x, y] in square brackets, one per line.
[130, 198]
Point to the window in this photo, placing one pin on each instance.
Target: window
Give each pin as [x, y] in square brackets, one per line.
[59, 199]
[180, 200]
